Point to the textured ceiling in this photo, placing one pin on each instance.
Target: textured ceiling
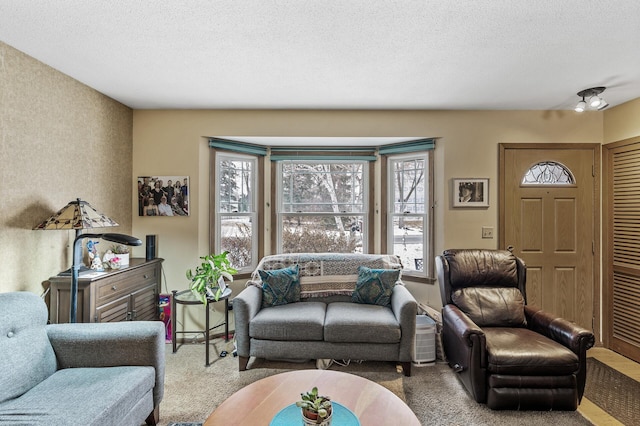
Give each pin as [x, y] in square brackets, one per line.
[336, 54]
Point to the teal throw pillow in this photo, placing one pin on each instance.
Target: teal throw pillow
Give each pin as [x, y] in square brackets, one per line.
[280, 286]
[374, 286]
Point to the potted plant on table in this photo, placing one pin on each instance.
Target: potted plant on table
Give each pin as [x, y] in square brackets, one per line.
[122, 253]
[316, 409]
[204, 279]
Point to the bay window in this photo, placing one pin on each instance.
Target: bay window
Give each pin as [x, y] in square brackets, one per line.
[322, 206]
[408, 212]
[236, 216]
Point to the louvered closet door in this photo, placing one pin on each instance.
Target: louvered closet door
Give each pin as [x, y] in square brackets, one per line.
[623, 275]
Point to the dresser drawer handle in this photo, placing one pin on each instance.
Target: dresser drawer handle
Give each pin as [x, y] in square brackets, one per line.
[114, 288]
[146, 276]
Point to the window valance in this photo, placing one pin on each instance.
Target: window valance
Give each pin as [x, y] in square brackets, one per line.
[284, 153]
[235, 146]
[407, 147]
[323, 153]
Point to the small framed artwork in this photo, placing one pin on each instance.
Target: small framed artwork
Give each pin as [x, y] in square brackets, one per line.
[163, 196]
[470, 192]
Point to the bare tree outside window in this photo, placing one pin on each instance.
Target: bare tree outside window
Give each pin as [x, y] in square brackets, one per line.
[408, 213]
[322, 206]
[236, 210]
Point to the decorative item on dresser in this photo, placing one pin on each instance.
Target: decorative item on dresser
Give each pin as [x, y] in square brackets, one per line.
[127, 294]
[122, 252]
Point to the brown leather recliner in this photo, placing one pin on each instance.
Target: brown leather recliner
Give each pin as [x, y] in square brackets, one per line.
[507, 354]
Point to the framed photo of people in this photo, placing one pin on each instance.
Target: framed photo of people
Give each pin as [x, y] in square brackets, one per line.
[470, 192]
[163, 196]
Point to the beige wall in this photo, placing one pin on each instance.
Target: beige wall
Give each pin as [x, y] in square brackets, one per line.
[173, 143]
[622, 122]
[60, 140]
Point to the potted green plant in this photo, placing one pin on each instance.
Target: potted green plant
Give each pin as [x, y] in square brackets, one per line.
[204, 279]
[316, 409]
[122, 253]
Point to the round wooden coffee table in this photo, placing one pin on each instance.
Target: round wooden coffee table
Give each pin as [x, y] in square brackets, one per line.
[257, 403]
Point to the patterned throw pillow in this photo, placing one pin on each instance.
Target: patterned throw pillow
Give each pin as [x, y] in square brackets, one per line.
[374, 286]
[280, 286]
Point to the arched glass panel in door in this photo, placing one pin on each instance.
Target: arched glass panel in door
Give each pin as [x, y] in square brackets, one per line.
[548, 173]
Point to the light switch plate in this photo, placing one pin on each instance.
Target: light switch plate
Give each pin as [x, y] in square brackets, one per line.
[487, 232]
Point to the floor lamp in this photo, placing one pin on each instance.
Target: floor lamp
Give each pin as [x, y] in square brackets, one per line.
[77, 254]
[78, 215]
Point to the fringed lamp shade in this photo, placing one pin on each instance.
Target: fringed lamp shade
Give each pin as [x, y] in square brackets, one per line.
[77, 215]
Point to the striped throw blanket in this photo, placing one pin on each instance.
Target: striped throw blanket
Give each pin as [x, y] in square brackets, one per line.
[325, 274]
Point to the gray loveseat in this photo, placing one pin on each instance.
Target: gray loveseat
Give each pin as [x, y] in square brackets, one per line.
[77, 374]
[325, 323]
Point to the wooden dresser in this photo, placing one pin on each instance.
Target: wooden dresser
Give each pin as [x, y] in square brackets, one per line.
[127, 294]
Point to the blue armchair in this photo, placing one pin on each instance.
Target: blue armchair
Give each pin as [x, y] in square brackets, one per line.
[72, 374]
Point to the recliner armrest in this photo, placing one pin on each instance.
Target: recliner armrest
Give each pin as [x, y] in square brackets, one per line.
[465, 345]
[572, 336]
[575, 338]
[461, 325]
[94, 345]
[463, 339]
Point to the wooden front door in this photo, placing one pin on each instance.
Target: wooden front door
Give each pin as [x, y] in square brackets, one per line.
[548, 216]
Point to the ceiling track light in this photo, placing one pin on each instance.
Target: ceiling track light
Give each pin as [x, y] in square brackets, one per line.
[595, 100]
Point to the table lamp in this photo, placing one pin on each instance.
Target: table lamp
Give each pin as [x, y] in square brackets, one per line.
[77, 215]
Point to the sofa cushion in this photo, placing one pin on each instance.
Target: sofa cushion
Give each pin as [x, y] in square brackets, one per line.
[294, 321]
[27, 356]
[374, 286]
[491, 306]
[360, 323]
[522, 352]
[84, 396]
[280, 286]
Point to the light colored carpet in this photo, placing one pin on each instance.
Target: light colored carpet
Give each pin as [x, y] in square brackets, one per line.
[193, 391]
